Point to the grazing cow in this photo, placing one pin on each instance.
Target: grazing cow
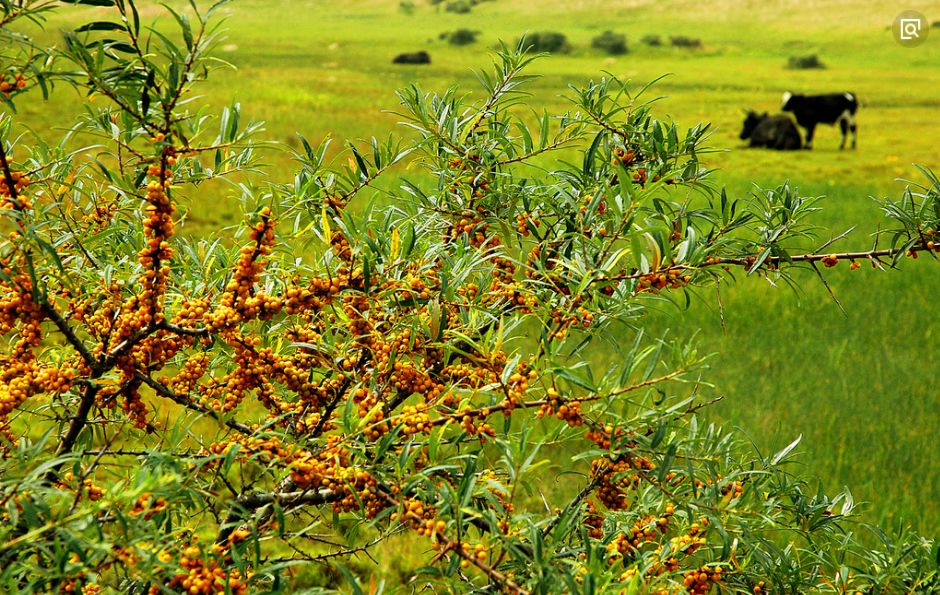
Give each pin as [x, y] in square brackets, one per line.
[774, 132]
[823, 109]
[421, 57]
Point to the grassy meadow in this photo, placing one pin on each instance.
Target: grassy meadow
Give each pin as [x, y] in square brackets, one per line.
[861, 387]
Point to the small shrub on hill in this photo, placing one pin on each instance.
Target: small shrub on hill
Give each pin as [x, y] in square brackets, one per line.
[460, 36]
[550, 42]
[610, 42]
[681, 41]
[459, 6]
[807, 62]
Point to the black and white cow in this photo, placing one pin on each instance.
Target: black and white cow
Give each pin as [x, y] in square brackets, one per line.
[774, 132]
[823, 109]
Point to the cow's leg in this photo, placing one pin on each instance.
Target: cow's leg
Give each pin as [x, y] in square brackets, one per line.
[809, 135]
[854, 129]
[844, 126]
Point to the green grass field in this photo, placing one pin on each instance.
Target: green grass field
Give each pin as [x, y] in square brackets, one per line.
[861, 387]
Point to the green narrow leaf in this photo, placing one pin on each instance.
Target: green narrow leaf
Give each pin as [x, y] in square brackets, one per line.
[101, 26]
[360, 162]
[783, 453]
[91, 2]
[355, 589]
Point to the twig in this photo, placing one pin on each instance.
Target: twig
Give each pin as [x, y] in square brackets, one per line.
[78, 422]
[584, 493]
[7, 174]
[70, 336]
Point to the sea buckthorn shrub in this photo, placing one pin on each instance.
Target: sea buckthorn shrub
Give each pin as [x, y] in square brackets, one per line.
[215, 414]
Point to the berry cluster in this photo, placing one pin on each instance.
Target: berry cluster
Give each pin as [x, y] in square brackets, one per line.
[267, 447]
[331, 469]
[415, 420]
[525, 222]
[515, 296]
[586, 203]
[341, 246]
[472, 226]
[617, 478]
[185, 380]
[21, 375]
[592, 519]
[517, 386]
[147, 506]
[419, 517]
[159, 227]
[700, 581]
[567, 411]
[639, 176]
[474, 423]
[79, 584]
[692, 539]
[477, 552]
[604, 436]
[644, 530]
[241, 301]
[87, 487]
[464, 375]
[732, 490]
[101, 214]
[626, 156]
[10, 83]
[206, 571]
[13, 199]
[565, 319]
[654, 282]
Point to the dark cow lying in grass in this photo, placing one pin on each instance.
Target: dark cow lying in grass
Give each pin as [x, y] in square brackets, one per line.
[421, 57]
[823, 109]
[774, 132]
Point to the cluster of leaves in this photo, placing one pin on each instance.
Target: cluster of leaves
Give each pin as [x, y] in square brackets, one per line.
[205, 415]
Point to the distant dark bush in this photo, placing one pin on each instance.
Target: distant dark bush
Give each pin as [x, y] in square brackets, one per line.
[652, 40]
[548, 41]
[460, 36]
[610, 42]
[935, 24]
[681, 41]
[805, 62]
[459, 6]
[406, 6]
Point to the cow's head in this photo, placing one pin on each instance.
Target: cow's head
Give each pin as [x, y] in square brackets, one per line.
[750, 123]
